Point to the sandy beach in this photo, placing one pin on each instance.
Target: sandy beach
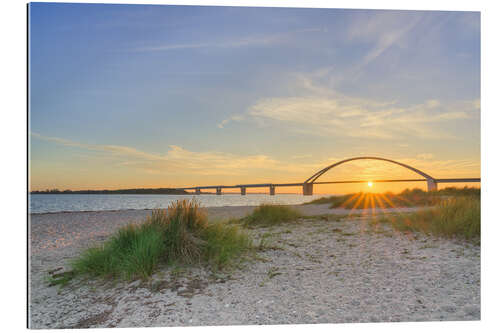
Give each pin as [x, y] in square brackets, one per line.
[318, 270]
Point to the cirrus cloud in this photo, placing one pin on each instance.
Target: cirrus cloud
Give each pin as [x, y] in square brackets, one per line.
[322, 111]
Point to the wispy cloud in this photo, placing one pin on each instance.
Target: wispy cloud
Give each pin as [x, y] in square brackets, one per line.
[339, 117]
[183, 161]
[235, 42]
[112, 149]
[235, 117]
[324, 111]
[381, 30]
[384, 30]
[425, 156]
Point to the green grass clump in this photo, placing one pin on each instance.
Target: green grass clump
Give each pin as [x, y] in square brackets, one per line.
[135, 251]
[180, 234]
[452, 217]
[407, 198]
[269, 215]
[224, 243]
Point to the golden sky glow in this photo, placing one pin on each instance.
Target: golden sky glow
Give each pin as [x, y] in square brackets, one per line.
[214, 99]
[102, 166]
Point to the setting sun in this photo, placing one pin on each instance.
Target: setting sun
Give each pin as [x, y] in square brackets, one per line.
[370, 184]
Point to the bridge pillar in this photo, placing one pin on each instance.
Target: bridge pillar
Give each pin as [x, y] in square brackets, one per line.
[243, 190]
[307, 189]
[431, 185]
[272, 190]
[218, 191]
[197, 191]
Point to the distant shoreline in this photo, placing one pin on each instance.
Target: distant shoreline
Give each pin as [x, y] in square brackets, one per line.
[186, 193]
[121, 191]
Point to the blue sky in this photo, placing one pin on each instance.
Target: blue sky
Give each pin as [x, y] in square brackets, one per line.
[136, 95]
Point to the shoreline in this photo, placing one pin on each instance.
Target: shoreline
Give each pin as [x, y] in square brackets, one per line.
[69, 228]
[357, 210]
[161, 201]
[334, 270]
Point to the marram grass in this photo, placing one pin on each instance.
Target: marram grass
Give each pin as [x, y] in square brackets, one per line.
[135, 251]
[458, 217]
[180, 234]
[269, 215]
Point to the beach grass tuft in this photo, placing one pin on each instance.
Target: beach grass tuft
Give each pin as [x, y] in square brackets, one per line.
[224, 244]
[180, 234]
[452, 217]
[135, 251]
[269, 215]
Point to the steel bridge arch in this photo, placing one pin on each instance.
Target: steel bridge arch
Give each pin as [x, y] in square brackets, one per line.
[431, 181]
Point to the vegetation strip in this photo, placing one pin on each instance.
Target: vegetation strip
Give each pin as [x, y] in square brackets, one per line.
[453, 217]
[407, 198]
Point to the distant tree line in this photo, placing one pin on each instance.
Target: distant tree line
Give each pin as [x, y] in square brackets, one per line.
[124, 191]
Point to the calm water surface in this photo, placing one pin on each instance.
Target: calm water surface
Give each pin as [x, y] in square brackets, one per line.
[45, 203]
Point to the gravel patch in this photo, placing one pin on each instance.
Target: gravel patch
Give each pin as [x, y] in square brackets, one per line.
[318, 270]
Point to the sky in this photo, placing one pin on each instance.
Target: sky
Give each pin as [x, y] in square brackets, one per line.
[132, 96]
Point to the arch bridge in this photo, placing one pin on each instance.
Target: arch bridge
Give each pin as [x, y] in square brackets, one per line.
[308, 184]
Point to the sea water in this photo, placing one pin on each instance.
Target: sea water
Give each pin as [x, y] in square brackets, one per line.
[50, 203]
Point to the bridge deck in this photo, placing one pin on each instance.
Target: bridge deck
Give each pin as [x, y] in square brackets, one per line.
[441, 180]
